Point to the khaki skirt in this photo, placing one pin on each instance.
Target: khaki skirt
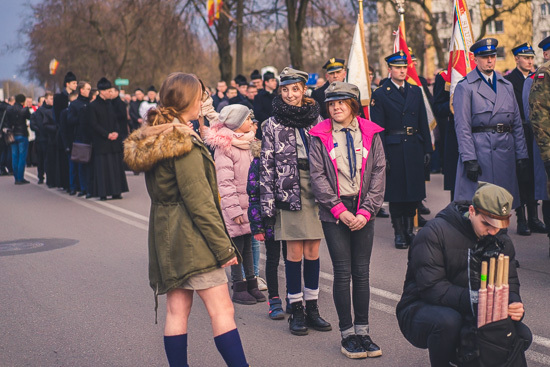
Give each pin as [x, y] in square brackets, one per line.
[298, 225]
[205, 280]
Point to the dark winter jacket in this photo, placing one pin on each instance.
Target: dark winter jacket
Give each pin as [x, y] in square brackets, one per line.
[257, 224]
[102, 121]
[122, 117]
[279, 177]
[437, 272]
[324, 171]
[75, 115]
[319, 95]
[134, 114]
[17, 117]
[240, 99]
[187, 235]
[41, 120]
[60, 102]
[263, 108]
[65, 135]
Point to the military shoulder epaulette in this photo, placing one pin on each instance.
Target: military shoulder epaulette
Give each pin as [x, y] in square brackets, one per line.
[463, 79]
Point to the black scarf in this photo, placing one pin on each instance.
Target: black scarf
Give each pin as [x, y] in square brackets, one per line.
[294, 116]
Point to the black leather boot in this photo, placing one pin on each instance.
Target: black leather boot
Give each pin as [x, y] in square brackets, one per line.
[313, 319]
[409, 230]
[297, 320]
[399, 230]
[535, 225]
[523, 229]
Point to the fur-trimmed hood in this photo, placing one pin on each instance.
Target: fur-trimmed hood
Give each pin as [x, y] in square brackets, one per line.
[149, 145]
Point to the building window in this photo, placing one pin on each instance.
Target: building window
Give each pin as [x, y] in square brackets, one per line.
[495, 3]
[544, 9]
[501, 54]
[545, 34]
[496, 26]
[441, 18]
[445, 43]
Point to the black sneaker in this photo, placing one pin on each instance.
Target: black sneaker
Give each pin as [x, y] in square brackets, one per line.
[372, 349]
[352, 348]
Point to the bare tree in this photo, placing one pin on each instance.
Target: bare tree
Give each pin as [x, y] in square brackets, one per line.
[296, 19]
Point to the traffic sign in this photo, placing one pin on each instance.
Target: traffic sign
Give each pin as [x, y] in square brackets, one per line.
[120, 82]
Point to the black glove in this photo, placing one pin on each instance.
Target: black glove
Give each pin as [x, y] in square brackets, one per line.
[522, 170]
[473, 170]
[388, 166]
[427, 159]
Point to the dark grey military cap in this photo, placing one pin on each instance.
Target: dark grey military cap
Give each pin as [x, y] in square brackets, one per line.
[341, 90]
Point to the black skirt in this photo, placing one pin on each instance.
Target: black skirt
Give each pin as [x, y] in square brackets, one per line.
[109, 176]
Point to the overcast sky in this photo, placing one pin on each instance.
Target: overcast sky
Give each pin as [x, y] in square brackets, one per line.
[12, 15]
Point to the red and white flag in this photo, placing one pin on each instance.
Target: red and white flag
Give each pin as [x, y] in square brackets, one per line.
[461, 60]
[213, 10]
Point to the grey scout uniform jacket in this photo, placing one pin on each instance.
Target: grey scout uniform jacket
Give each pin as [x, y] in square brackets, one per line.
[476, 104]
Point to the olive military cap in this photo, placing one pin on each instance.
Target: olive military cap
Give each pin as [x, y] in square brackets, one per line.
[494, 203]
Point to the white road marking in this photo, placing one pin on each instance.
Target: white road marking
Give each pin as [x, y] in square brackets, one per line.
[531, 355]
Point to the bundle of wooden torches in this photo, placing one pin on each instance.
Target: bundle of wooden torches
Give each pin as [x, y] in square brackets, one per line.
[493, 298]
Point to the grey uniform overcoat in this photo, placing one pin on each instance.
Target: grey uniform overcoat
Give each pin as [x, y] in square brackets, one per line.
[476, 104]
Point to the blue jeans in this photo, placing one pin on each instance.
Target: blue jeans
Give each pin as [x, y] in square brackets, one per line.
[19, 156]
[256, 256]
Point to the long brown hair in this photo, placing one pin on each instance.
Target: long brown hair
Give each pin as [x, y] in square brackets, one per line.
[177, 94]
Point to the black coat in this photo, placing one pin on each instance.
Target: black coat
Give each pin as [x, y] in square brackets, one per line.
[404, 153]
[60, 102]
[17, 117]
[122, 117]
[319, 95]
[517, 79]
[41, 120]
[446, 122]
[74, 116]
[437, 271]
[102, 121]
[263, 108]
[134, 114]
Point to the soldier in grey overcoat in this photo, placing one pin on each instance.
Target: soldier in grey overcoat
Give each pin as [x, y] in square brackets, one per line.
[488, 125]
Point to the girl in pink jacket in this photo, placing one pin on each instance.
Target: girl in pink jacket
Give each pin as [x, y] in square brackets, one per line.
[231, 136]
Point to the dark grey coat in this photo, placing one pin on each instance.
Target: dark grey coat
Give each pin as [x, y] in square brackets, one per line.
[476, 104]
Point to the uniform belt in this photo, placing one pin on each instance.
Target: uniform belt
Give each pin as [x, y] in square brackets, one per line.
[498, 128]
[303, 164]
[405, 131]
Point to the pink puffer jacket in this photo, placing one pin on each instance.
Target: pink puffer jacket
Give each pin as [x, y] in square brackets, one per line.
[232, 157]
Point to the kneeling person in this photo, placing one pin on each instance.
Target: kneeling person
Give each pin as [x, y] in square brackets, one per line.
[436, 301]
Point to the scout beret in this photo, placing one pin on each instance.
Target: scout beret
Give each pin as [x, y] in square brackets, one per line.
[494, 203]
[340, 90]
[334, 64]
[485, 47]
[291, 76]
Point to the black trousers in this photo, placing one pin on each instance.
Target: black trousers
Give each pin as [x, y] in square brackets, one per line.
[438, 329]
[272, 257]
[546, 214]
[350, 252]
[403, 209]
[42, 152]
[244, 245]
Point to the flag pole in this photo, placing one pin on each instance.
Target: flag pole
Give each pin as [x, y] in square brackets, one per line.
[401, 11]
[363, 44]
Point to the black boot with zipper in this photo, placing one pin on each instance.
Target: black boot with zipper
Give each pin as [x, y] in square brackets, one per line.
[297, 320]
[313, 319]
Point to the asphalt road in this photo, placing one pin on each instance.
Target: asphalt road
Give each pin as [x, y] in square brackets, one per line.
[74, 290]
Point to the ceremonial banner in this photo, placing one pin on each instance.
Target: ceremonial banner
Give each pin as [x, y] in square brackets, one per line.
[53, 66]
[213, 10]
[461, 60]
[358, 64]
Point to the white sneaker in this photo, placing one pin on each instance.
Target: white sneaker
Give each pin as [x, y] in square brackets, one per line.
[262, 285]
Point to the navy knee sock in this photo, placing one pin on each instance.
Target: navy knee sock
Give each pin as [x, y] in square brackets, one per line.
[230, 347]
[176, 350]
[311, 273]
[293, 270]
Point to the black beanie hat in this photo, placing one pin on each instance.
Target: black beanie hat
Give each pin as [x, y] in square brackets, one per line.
[104, 84]
[151, 89]
[268, 75]
[240, 79]
[20, 98]
[255, 75]
[69, 77]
